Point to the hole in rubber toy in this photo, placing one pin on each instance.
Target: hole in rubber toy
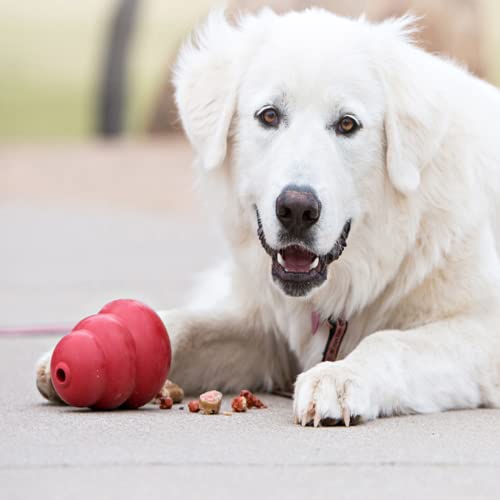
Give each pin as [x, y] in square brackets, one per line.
[61, 375]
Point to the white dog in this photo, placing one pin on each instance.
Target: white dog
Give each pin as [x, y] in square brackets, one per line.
[357, 179]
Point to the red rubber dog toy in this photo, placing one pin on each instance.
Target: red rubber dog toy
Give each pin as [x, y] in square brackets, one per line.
[118, 357]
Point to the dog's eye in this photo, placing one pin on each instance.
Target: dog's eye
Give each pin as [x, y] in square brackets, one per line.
[268, 116]
[347, 125]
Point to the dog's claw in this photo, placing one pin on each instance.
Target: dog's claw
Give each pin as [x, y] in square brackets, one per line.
[309, 414]
[317, 420]
[346, 415]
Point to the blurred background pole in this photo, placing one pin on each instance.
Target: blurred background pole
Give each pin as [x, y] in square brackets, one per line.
[111, 94]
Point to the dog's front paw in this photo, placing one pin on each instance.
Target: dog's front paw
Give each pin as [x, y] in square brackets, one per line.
[333, 393]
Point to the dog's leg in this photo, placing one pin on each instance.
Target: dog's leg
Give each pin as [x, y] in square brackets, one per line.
[213, 349]
[226, 351]
[446, 365]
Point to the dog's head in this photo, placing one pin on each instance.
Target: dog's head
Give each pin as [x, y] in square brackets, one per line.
[318, 117]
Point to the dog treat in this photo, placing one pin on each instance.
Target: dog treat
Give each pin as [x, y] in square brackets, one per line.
[239, 404]
[194, 406]
[258, 403]
[248, 397]
[210, 402]
[252, 400]
[227, 413]
[172, 390]
[166, 403]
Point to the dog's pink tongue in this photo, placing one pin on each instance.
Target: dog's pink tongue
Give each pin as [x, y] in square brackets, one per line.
[297, 260]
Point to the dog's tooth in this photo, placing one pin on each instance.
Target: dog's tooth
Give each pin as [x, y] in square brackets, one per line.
[281, 260]
[314, 264]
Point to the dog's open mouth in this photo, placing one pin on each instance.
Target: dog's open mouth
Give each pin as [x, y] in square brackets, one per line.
[296, 268]
[295, 259]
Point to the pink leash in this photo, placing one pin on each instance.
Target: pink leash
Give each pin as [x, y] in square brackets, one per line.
[37, 330]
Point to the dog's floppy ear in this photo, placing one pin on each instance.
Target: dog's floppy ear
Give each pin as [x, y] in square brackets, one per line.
[415, 124]
[205, 84]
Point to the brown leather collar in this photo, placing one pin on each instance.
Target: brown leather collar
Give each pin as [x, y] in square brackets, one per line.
[338, 328]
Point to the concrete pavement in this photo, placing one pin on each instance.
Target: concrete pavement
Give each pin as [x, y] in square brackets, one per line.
[56, 452]
[67, 252]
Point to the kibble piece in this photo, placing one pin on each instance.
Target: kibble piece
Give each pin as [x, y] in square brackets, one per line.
[172, 390]
[258, 403]
[210, 402]
[166, 403]
[245, 393]
[252, 400]
[194, 406]
[239, 404]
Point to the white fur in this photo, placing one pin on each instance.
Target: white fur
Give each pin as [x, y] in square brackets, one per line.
[419, 278]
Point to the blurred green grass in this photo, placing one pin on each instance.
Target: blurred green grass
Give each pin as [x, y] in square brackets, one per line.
[51, 55]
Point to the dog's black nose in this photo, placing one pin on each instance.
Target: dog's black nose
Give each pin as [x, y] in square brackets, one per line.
[298, 208]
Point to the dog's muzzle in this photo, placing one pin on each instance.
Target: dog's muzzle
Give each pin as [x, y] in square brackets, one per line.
[295, 268]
